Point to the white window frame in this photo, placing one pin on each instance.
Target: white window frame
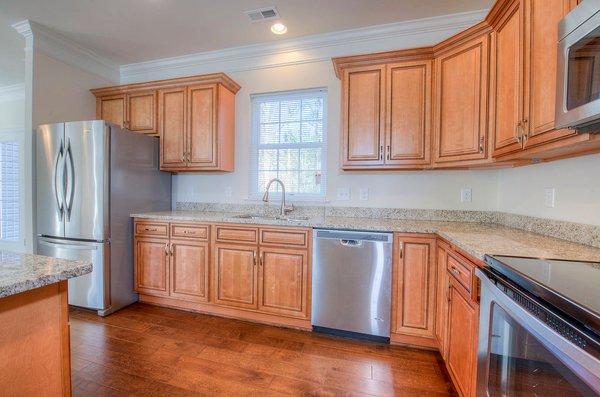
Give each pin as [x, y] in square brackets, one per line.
[256, 100]
[16, 134]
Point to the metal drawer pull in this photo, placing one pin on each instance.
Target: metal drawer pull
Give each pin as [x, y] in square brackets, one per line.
[189, 232]
[150, 229]
[455, 270]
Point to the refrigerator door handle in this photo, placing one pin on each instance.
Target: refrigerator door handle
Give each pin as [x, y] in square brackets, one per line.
[85, 246]
[59, 199]
[70, 190]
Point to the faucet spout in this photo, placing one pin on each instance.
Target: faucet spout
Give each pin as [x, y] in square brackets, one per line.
[283, 208]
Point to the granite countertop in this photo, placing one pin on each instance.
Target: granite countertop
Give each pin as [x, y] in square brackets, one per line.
[476, 239]
[24, 272]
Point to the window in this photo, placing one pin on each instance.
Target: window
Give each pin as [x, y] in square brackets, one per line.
[289, 142]
[9, 191]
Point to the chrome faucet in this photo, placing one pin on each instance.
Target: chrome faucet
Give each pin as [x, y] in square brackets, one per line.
[283, 209]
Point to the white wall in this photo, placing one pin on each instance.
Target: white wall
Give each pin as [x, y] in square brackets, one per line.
[424, 189]
[576, 182]
[12, 115]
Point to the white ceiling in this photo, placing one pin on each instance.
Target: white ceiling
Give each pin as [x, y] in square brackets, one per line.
[130, 31]
[12, 55]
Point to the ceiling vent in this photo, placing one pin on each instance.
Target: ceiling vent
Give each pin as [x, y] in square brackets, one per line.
[262, 14]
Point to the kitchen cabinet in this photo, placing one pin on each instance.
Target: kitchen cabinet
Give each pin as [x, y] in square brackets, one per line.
[386, 114]
[236, 276]
[194, 118]
[243, 271]
[414, 290]
[283, 279]
[524, 74]
[462, 331]
[152, 265]
[441, 307]
[460, 102]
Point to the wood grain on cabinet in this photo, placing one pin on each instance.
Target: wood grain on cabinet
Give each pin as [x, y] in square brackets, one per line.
[462, 271]
[151, 228]
[189, 270]
[284, 237]
[460, 103]
[190, 231]
[441, 308]
[236, 234]
[507, 80]
[34, 342]
[414, 287]
[540, 38]
[172, 118]
[112, 109]
[235, 275]
[283, 279]
[408, 122]
[141, 112]
[202, 125]
[151, 268]
[462, 331]
[363, 116]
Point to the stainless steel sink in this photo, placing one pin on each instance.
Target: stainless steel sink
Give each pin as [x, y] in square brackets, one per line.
[272, 217]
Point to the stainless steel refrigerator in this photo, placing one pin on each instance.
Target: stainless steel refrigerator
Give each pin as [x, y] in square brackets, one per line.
[90, 176]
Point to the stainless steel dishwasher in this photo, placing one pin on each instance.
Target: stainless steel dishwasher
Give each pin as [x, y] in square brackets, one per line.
[351, 283]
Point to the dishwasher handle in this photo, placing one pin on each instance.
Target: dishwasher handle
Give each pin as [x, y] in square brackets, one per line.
[351, 243]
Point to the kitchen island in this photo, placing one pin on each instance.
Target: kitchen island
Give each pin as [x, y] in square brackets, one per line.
[34, 336]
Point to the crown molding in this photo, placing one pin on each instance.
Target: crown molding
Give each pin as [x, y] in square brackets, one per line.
[12, 92]
[308, 49]
[66, 50]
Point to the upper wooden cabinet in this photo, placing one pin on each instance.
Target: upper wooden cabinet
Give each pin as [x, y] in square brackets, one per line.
[460, 104]
[414, 290]
[386, 110]
[194, 117]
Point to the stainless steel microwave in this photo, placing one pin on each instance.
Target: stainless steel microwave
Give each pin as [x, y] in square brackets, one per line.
[578, 72]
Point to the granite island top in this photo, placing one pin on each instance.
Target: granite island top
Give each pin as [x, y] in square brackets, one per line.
[476, 239]
[24, 272]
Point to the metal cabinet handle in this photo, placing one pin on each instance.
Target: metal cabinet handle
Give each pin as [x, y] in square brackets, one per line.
[481, 142]
[525, 130]
[518, 132]
[167, 249]
[171, 249]
[261, 259]
[401, 250]
[388, 152]
[381, 152]
[254, 257]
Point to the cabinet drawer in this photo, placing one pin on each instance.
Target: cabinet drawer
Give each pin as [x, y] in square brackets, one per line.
[296, 238]
[181, 230]
[151, 229]
[460, 271]
[238, 234]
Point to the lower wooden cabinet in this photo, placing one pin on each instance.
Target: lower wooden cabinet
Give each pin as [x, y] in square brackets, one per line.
[152, 265]
[462, 332]
[189, 270]
[283, 281]
[226, 270]
[235, 273]
[414, 289]
[441, 307]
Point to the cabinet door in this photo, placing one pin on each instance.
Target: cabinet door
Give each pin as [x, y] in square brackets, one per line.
[202, 148]
[462, 338]
[507, 78]
[460, 105]
[151, 266]
[441, 308]
[189, 270]
[283, 281]
[414, 295]
[408, 131]
[172, 127]
[541, 22]
[141, 112]
[112, 109]
[235, 273]
[363, 116]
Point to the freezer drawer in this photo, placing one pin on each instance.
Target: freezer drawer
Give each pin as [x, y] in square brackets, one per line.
[352, 276]
[91, 290]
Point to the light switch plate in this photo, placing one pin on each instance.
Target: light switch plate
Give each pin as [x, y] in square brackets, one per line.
[466, 195]
[343, 193]
[550, 197]
[363, 194]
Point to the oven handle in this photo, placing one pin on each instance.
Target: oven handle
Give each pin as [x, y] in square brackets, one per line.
[584, 365]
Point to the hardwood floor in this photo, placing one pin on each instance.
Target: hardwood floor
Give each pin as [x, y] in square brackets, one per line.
[145, 350]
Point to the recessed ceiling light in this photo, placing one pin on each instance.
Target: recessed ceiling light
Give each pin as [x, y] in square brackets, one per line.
[278, 28]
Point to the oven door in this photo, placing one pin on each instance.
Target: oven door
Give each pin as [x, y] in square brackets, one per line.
[578, 69]
[520, 355]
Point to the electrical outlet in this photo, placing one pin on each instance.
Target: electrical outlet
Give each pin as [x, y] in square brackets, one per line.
[466, 195]
[343, 193]
[228, 192]
[363, 193]
[550, 197]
